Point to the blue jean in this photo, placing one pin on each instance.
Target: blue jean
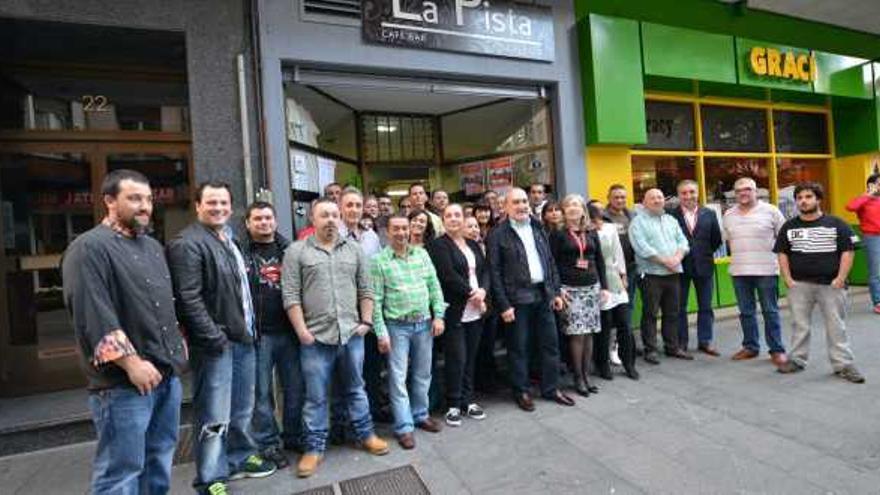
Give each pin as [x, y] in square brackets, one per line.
[872, 249]
[535, 318]
[278, 353]
[318, 363]
[703, 287]
[768, 294]
[411, 347]
[137, 435]
[223, 405]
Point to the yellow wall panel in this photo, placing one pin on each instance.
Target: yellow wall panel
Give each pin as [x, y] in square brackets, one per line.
[607, 165]
[846, 179]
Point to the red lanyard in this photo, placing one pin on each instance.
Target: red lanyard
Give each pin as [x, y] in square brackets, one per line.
[581, 242]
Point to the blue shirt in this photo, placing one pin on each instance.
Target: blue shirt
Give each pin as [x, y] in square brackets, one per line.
[656, 235]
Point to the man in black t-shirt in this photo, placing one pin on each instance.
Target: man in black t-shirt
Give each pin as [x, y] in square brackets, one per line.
[277, 345]
[815, 256]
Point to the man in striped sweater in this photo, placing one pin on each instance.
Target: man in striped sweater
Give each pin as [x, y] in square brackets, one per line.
[751, 227]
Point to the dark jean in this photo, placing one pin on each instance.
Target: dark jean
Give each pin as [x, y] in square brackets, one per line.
[872, 251]
[767, 290]
[461, 346]
[320, 362]
[535, 318]
[703, 287]
[223, 406]
[660, 293]
[278, 354]
[618, 318]
[137, 435]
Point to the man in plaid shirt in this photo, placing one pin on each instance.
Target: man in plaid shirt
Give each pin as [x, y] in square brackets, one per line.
[407, 313]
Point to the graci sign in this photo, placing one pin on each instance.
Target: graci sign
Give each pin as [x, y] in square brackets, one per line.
[486, 27]
[784, 64]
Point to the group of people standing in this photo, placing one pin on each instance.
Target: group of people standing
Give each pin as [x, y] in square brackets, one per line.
[348, 317]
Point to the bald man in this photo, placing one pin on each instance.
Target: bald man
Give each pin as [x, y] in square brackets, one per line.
[659, 245]
[525, 287]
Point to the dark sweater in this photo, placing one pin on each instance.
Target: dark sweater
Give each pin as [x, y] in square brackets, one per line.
[566, 253]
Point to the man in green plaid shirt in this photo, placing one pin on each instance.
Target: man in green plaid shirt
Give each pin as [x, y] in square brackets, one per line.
[407, 313]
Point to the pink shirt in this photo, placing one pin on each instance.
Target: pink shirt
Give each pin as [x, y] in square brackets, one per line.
[751, 236]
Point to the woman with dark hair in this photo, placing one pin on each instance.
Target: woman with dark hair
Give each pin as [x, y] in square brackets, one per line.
[421, 229]
[551, 216]
[483, 214]
[581, 270]
[615, 308]
[464, 278]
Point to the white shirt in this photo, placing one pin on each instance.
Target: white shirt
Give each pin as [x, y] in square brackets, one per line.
[690, 218]
[527, 236]
[471, 311]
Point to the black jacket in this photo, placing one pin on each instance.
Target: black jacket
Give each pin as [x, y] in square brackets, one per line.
[509, 267]
[705, 240]
[452, 270]
[258, 291]
[207, 289]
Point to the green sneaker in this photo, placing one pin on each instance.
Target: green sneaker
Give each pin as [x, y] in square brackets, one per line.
[216, 488]
[254, 467]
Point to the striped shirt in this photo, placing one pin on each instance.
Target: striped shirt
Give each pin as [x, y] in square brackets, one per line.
[814, 247]
[751, 236]
[404, 288]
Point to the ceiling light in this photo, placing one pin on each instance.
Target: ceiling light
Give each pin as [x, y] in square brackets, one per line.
[386, 128]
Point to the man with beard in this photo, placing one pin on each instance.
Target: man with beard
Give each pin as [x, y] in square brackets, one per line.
[329, 301]
[215, 307]
[815, 256]
[277, 346]
[118, 294]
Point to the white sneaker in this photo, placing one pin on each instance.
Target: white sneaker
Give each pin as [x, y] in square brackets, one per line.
[453, 416]
[615, 358]
[474, 411]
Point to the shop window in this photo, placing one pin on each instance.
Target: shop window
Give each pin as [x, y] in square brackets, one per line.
[662, 172]
[398, 138]
[669, 126]
[800, 132]
[721, 173]
[791, 171]
[734, 129]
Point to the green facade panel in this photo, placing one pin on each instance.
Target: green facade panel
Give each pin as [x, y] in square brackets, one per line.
[688, 54]
[843, 76]
[613, 92]
[856, 126]
[749, 78]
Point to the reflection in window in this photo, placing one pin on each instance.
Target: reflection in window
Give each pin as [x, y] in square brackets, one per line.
[734, 129]
[791, 171]
[669, 126]
[800, 132]
[721, 173]
[661, 172]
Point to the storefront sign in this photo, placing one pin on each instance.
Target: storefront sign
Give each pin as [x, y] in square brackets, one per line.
[500, 175]
[788, 64]
[472, 176]
[498, 27]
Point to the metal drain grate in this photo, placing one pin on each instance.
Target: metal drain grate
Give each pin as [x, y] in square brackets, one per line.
[404, 480]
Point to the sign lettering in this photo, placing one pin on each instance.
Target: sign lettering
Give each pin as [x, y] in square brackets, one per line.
[790, 65]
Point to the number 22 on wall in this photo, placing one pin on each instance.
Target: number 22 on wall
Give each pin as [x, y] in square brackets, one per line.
[95, 103]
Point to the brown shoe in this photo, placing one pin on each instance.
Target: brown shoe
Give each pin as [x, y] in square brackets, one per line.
[743, 354]
[524, 401]
[375, 445]
[708, 349]
[430, 425]
[308, 464]
[407, 441]
[778, 358]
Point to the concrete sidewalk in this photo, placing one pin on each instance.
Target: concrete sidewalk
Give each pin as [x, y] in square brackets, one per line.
[707, 426]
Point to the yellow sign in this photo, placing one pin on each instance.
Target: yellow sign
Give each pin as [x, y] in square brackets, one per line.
[771, 62]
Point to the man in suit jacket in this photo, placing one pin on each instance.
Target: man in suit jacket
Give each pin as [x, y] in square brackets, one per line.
[700, 227]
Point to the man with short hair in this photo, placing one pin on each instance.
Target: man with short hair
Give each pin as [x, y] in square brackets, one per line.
[329, 300]
[816, 253]
[386, 207]
[277, 346]
[404, 205]
[407, 314]
[659, 246]
[215, 307]
[617, 213]
[371, 207]
[419, 200]
[351, 209]
[701, 229]
[439, 201]
[751, 227]
[119, 297]
[537, 198]
[525, 288]
[333, 191]
[867, 207]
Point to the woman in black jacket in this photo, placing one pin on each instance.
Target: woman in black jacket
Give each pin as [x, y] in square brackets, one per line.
[464, 278]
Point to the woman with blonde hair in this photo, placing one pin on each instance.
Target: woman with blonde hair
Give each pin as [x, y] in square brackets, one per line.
[578, 255]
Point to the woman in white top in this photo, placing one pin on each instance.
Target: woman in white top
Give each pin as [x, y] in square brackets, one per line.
[615, 308]
[464, 278]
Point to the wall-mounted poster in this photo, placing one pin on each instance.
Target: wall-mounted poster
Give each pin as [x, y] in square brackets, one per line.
[500, 175]
[473, 178]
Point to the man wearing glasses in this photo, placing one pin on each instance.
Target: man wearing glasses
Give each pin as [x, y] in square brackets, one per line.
[751, 227]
